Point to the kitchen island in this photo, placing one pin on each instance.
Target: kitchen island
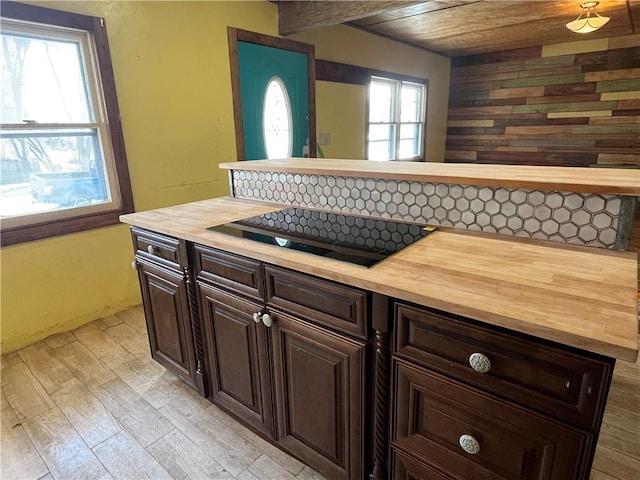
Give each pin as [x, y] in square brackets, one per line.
[522, 332]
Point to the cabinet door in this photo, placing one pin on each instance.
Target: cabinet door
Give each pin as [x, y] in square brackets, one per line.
[319, 380]
[166, 307]
[237, 352]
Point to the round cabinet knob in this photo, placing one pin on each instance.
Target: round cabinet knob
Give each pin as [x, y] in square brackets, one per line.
[134, 265]
[151, 249]
[469, 444]
[256, 317]
[267, 320]
[479, 362]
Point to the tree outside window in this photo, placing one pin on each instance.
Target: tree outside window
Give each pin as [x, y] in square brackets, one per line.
[62, 160]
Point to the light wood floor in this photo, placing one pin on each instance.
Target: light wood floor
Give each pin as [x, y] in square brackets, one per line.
[92, 404]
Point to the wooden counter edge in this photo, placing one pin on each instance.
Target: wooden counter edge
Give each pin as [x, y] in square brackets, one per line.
[567, 179]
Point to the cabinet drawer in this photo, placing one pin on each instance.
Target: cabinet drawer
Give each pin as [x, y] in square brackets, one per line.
[566, 385]
[238, 274]
[161, 249]
[321, 301]
[433, 414]
[407, 468]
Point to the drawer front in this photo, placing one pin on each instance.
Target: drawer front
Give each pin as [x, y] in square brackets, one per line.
[238, 274]
[433, 415]
[161, 249]
[407, 468]
[321, 301]
[566, 385]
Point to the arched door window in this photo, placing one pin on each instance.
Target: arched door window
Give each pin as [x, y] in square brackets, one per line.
[277, 123]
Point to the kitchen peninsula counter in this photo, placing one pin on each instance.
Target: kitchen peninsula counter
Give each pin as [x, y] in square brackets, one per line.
[577, 296]
[571, 179]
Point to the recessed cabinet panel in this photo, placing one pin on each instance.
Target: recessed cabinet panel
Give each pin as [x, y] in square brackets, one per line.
[560, 383]
[329, 304]
[165, 300]
[235, 347]
[165, 310]
[321, 428]
[237, 351]
[472, 435]
[319, 390]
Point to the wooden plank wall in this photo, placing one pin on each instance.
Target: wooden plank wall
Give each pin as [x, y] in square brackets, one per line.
[574, 104]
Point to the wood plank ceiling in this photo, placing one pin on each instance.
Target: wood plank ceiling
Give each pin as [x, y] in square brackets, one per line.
[462, 27]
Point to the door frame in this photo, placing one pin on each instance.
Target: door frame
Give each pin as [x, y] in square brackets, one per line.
[235, 35]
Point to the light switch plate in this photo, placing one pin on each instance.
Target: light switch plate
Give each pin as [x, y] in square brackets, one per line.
[324, 138]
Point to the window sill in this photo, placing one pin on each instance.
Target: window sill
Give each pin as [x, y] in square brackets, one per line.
[41, 231]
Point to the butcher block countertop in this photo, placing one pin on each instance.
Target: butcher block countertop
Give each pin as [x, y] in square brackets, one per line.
[578, 296]
[568, 179]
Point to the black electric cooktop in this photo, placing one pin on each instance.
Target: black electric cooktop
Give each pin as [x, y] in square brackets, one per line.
[359, 240]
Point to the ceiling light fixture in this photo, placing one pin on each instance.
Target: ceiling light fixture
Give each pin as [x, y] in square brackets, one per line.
[588, 23]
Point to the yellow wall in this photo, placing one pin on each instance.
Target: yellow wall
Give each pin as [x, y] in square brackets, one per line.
[171, 66]
[335, 115]
[58, 284]
[340, 109]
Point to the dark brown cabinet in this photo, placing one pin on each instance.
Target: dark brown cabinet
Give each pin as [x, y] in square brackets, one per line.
[279, 361]
[475, 402]
[355, 384]
[166, 303]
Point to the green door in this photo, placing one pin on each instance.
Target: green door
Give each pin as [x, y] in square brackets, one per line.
[275, 97]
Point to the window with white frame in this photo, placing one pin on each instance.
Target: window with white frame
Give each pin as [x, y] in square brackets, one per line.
[395, 129]
[62, 161]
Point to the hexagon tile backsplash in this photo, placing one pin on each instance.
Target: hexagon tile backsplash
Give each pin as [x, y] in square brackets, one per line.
[579, 218]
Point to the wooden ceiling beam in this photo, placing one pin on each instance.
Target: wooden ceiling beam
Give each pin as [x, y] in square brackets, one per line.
[298, 16]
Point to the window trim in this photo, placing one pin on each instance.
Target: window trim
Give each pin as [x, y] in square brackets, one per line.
[83, 221]
[235, 35]
[400, 78]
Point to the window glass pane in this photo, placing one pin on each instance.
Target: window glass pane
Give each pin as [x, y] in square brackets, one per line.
[410, 141]
[276, 121]
[383, 131]
[42, 80]
[411, 102]
[382, 142]
[381, 104]
[50, 170]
